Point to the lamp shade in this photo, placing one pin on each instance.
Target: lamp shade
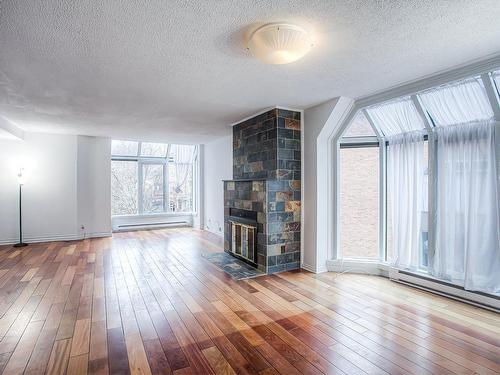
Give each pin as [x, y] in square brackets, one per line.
[280, 43]
[22, 176]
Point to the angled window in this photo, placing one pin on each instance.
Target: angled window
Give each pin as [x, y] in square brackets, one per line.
[124, 148]
[496, 79]
[396, 117]
[359, 127]
[158, 150]
[457, 103]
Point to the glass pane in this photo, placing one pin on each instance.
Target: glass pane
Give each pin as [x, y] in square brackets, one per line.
[396, 117]
[180, 187]
[360, 127]
[183, 154]
[457, 103]
[124, 187]
[496, 78]
[152, 188]
[154, 149]
[359, 202]
[124, 148]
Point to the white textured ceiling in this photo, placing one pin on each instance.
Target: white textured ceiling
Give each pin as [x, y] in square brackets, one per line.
[177, 70]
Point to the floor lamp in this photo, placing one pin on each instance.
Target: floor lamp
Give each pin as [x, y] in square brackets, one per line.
[21, 179]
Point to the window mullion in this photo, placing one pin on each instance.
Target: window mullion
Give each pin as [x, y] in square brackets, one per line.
[140, 187]
[492, 95]
[432, 196]
[165, 187]
[168, 187]
[423, 114]
[383, 200]
[377, 131]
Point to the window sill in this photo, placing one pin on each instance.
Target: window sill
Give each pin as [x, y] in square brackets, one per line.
[156, 214]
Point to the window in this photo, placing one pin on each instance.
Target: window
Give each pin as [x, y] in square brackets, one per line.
[124, 148]
[153, 187]
[149, 178]
[124, 187]
[154, 149]
[396, 117]
[425, 181]
[360, 127]
[359, 202]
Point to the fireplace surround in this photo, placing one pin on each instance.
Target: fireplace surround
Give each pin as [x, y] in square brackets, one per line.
[265, 191]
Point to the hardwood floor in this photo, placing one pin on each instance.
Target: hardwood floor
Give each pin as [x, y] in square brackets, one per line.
[148, 303]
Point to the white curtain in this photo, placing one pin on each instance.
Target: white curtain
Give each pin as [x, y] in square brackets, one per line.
[467, 249]
[183, 159]
[458, 103]
[468, 226]
[404, 128]
[396, 117]
[406, 186]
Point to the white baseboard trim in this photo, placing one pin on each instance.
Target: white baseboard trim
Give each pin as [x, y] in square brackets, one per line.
[61, 237]
[312, 269]
[216, 232]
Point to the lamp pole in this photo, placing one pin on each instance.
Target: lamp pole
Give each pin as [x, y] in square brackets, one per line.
[20, 178]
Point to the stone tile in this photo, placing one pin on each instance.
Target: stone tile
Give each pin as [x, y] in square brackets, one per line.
[292, 206]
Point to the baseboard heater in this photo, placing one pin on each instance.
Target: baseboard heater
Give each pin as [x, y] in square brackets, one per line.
[443, 288]
[152, 224]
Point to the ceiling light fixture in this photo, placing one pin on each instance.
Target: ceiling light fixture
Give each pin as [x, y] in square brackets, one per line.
[280, 43]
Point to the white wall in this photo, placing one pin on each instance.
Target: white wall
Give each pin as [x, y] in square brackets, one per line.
[50, 196]
[217, 166]
[93, 185]
[320, 123]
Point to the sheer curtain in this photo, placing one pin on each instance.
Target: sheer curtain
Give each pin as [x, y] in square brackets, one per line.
[183, 158]
[467, 249]
[401, 123]
[396, 117]
[405, 187]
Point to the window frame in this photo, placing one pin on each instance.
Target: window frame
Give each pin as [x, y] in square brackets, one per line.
[165, 161]
[363, 142]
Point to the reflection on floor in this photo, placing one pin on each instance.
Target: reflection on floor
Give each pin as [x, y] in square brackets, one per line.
[236, 268]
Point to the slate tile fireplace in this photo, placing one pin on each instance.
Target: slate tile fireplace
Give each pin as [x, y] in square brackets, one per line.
[262, 204]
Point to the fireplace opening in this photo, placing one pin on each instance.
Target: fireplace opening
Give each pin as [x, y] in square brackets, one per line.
[243, 226]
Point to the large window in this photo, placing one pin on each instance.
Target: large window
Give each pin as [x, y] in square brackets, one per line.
[418, 183]
[149, 178]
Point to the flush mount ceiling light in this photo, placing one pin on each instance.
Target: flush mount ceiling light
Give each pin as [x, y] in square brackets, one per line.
[280, 43]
